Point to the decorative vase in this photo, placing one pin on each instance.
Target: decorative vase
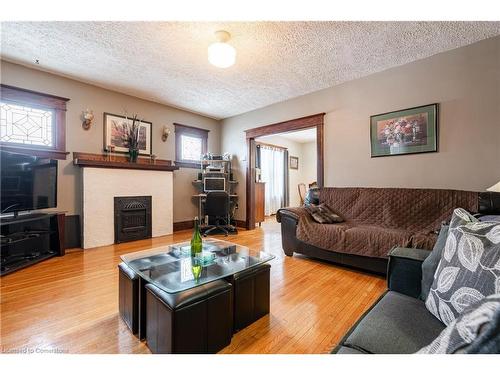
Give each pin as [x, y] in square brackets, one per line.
[133, 153]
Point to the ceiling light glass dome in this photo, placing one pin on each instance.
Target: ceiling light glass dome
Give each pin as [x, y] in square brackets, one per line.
[221, 54]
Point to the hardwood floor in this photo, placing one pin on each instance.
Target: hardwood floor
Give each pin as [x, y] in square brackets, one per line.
[70, 304]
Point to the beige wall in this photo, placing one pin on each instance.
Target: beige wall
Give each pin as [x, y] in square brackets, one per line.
[84, 96]
[309, 156]
[466, 83]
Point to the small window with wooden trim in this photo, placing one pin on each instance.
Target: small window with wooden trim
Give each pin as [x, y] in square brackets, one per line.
[32, 122]
[190, 145]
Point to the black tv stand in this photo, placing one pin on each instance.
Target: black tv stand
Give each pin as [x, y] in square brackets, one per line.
[29, 239]
[24, 217]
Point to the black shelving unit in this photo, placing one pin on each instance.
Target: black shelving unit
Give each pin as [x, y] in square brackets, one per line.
[29, 239]
[218, 167]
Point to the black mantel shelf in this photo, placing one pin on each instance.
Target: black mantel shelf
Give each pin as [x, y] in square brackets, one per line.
[82, 159]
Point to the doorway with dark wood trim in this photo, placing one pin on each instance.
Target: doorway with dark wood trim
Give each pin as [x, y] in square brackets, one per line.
[316, 121]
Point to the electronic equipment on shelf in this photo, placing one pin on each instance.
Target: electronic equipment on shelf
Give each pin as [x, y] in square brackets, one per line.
[215, 175]
[215, 169]
[214, 184]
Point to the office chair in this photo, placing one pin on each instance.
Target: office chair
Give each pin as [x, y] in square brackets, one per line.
[217, 206]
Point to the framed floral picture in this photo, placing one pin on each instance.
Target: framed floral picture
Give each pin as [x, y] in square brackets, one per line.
[407, 131]
[114, 134]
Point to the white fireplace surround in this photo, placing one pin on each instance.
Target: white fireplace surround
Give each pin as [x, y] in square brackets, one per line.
[101, 185]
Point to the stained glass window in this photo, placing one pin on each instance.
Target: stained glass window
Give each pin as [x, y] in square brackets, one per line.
[191, 148]
[26, 125]
[190, 144]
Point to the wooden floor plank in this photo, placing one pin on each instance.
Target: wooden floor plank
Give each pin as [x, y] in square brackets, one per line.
[71, 303]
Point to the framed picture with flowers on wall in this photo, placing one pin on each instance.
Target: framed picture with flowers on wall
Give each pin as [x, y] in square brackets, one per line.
[407, 131]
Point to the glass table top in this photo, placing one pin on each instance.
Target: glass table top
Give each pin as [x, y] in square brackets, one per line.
[173, 269]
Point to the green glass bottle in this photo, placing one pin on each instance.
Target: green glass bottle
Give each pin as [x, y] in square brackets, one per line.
[196, 241]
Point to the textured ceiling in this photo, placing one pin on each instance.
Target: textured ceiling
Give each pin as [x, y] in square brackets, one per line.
[167, 61]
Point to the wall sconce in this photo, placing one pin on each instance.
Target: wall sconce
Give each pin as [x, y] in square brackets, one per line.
[165, 133]
[88, 119]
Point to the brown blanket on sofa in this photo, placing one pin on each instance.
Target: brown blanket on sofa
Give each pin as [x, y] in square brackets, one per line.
[376, 219]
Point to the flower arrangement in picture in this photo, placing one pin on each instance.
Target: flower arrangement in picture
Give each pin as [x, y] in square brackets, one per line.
[400, 131]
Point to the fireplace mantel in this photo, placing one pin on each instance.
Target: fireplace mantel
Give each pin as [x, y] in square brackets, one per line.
[101, 184]
[83, 159]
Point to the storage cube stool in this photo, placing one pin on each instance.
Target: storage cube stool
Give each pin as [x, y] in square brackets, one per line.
[198, 320]
[128, 297]
[251, 295]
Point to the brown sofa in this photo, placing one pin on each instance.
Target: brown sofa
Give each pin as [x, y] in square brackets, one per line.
[376, 220]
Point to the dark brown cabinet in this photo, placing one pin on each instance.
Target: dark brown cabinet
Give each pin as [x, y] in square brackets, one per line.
[260, 195]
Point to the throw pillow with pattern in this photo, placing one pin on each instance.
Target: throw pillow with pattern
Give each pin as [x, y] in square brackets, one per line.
[430, 264]
[323, 214]
[474, 326]
[469, 269]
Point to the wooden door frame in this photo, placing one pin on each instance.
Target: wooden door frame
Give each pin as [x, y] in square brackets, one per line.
[316, 121]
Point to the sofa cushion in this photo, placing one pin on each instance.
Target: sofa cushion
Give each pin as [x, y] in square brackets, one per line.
[488, 341]
[396, 324]
[374, 241]
[476, 330]
[430, 264]
[490, 218]
[329, 237]
[468, 268]
[323, 214]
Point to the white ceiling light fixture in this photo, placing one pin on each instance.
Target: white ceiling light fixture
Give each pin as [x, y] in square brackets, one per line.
[221, 54]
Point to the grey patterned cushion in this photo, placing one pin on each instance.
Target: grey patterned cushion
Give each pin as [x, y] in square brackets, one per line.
[430, 264]
[490, 218]
[475, 325]
[323, 214]
[469, 269]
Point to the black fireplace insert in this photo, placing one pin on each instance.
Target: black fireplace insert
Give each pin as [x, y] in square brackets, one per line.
[132, 218]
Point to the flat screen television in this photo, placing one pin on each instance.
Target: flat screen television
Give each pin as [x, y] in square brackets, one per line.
[28, 182]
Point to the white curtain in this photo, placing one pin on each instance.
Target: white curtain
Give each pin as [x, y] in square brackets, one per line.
[272, 167]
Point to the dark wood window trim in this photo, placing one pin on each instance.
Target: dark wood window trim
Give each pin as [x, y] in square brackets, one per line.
[31, 98]
[316, 121]
[181, 130]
